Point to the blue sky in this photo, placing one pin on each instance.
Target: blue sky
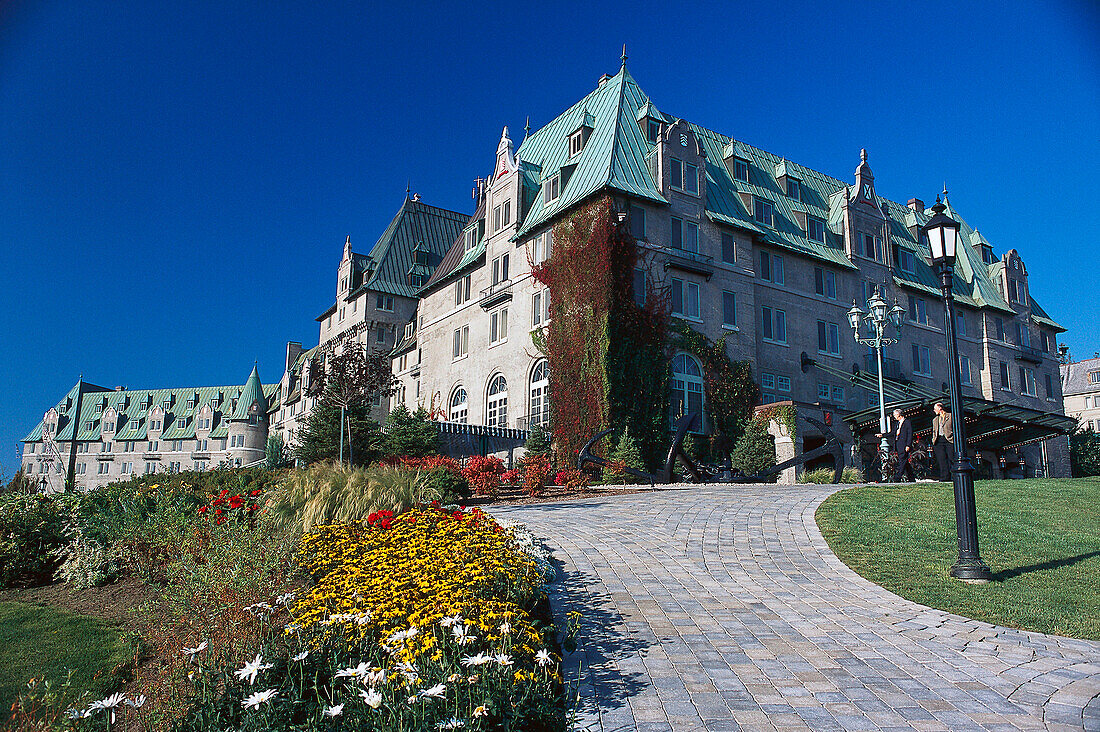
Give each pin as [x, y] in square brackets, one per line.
[177, 179]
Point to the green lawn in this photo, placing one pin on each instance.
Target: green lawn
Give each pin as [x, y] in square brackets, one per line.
[44, 642]
[1041, 538]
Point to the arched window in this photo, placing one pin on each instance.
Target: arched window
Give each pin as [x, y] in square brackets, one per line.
[687, 389]
[540, 395]
[496, 409]
[458, 409]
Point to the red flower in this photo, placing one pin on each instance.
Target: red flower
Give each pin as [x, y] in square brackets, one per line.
[256, 492]
[218, 512]
[202, 509]
[236, 502]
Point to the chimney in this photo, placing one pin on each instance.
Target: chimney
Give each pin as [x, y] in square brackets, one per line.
[603, 80]
[120, 388]
[916, 205]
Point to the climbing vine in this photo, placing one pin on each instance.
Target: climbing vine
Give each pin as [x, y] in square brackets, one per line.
[785, 414]
[596, 380]
[728, 385]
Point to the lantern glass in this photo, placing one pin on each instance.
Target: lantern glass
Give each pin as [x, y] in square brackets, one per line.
[896, 314]
[855, 315]
[878, 309]
[943, 236]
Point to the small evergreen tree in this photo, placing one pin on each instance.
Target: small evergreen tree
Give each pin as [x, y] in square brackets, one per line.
[1084, 453]
[275, 453]
[538, 441]
[411, 433]
[626, 454]
[319, 438]
[755, 451]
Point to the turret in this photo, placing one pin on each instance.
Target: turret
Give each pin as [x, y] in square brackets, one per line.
[248, 423]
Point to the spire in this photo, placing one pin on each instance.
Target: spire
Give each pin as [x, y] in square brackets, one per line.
[347, 247]
[624, 56]
[945, 193]
[527, 128]
[408, 188]
[863, 155]
[252, 393]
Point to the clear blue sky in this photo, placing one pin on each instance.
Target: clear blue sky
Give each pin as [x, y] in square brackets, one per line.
[177, 179]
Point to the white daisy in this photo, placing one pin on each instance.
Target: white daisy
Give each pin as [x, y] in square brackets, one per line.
[412, 700]
[334, 711]
[479, 660]
[452, 723]
[436, 692]
[108, 706]
[453, 620]
[284, 599]
[251, 669]
[481, 711]
[371, 697]
[300, 656]
[260, 697]
[542, 658]
[376, 677]
[137, 702]
[462, 635]
[505, 627]
[354, 672]
[192, 652]
[503, 659]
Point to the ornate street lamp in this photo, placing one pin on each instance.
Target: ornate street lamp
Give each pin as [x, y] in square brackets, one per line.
[877, 322]
[943, 239]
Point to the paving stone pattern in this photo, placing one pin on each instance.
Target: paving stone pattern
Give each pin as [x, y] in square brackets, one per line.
[724, 609]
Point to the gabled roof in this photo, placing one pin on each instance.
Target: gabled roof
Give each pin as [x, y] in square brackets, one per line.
[391, 258]
[130, 405]
[457, 258]
[1075, 377]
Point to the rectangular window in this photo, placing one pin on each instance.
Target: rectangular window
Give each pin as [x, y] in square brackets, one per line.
[684, 176]
[960, 323]
[922, 361]
[729, 248]
[793, 190]
[677, 233]
[639, 287]
[918, 310]
[905, 261]
[1094, 377]
[762, 211]
[384, 302]
[637, 222]
[999, 325]
[685, 298]
[1016, 290]
[469, 239]
[653, 129]
[823, 391]
[380, 335]
[828, 338]
[462, 290]
[767, 381]
[873, 249]
[1023, 335]
[741, 170]
[540, 307]
[773, 324]
[1005, 384]
[551, 189]
[676, 173]
[498, 326]
[825, 283]
[771, 267]
[461, 342]
[1045, 341]
[815, 229]
[1049, 383]
[1027, 382]
[500, 269]
[729, 308]
[576, 142]
[783, 383]
[690, 239]
[965, 377]
[838, 394]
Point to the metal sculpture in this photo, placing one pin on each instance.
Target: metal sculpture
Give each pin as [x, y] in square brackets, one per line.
[712, 473]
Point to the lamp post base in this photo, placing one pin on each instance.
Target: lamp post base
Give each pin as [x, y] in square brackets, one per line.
[973, 572]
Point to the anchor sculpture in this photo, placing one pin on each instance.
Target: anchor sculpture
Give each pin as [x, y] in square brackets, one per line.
[704, 473]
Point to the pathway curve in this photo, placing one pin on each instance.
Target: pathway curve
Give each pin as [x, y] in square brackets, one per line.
[724, 609]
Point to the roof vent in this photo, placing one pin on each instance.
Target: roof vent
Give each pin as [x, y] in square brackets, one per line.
[603, 80]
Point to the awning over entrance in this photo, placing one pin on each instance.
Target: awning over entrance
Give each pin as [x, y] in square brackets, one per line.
[989, 425]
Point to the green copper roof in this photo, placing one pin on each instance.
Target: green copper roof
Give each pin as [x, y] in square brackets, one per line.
[253, 392]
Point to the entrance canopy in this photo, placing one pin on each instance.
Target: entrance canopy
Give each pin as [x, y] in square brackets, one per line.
[989, 425]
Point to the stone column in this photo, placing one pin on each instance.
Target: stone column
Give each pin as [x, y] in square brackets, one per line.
[785, 449]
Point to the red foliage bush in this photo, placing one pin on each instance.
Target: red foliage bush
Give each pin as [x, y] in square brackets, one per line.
[483, 474]
[512, 477]
[536, 473]
[426, 464]
[572, 479]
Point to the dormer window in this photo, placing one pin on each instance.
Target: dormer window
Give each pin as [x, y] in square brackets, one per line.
[99, 409]
[1016, 292]
[684, 176]
[741, 170]
[420, 256]
[416, 280]
[181, 423]
[794, 191]
[653, 130]
[815, 229]
[166, 404]
[906, 261]
[576, 143]
[987, 254]
[551, 189]
[191, 403]
[763, 212]
[469, 239]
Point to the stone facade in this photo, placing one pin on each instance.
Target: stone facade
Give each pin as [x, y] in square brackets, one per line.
[752, 247]
[96, 435]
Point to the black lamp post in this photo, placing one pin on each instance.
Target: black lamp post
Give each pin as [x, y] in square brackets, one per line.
[943, 239]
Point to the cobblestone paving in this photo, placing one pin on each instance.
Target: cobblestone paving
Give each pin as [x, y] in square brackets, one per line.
[723, 609]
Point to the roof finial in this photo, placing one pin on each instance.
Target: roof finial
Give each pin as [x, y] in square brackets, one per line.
[863, 154]
[408, 187]
[527, 127]
[624, 56]
[945, 190]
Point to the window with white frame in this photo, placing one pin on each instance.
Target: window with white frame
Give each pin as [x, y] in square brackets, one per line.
[461, 342]
[502, 215]
[684, 176]
[576, 142]
[828, 338]
[773, 324]
[469, 239]
[771, 267]
[1027, 382]
[498, 326]
[685, 235]
[1094, 377]
[815, 229]
[741, 170]
[462, 290]
[551, 189]
[540, 307]
[685, 298]
[965, 377]
[540, 394]
[500, 269]
[540, 247]
[825, 282]
[729, 309]
[496, 406]
[922, 360]
[762, 211]
[686, 385]
[459, 408]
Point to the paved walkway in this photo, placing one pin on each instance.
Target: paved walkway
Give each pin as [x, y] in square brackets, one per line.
[723, 609]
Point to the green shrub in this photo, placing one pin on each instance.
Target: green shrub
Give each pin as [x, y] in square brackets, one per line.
[538, 441]
[276, 454]
[450, 486]
[411, 433]
[32, 530]
[755, 451]
[851, 475]
[318, 439]
[85, 561]
[325, 493]
[626, 454]
[817, 475]
[1084, 453]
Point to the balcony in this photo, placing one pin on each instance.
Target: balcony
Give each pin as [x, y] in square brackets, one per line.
[151, 455]
[686, 261]
[496, 294]
[891, 367]
[1029, 354]
[200, 455]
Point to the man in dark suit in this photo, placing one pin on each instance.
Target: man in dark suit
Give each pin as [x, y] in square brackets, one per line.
[902, 435]
[942, 434]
